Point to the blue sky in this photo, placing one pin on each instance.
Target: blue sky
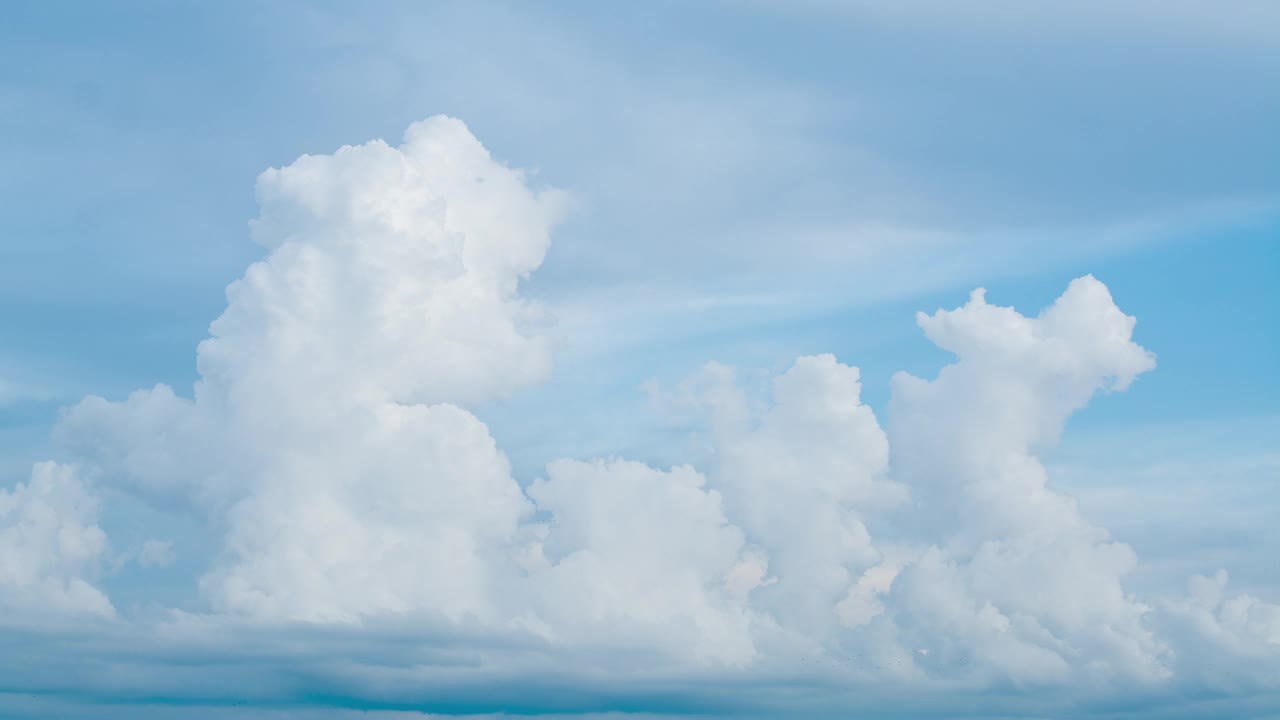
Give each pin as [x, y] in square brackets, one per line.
[748, 184]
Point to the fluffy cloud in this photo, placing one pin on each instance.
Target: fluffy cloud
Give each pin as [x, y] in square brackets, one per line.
[798, 476]
[1015, 580]
[332, 442]
[51, 546]
[643, 556]
[1236, 637]
[326, 432]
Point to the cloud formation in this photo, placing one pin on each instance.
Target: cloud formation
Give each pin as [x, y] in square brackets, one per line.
[332, 441]
[1016, 579]
[51, 547]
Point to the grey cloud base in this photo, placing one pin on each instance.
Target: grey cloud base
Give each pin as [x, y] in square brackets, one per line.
[375, 543]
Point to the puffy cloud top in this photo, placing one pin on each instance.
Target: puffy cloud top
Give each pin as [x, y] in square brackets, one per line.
[401, 262]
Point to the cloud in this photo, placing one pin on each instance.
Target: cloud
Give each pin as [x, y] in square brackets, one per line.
[1016, 577]
[645, 556]
[51, 547]
[1236, 637]
[974, 556]
[333, 443]
[325, 430]
[799, 475]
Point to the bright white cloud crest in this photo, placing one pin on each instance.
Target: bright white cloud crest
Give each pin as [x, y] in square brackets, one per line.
[329, 440]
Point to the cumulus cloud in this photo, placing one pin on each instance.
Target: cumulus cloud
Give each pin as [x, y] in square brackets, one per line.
[1236, 637]
[799, 475]
[327, 431]
[333, 444]
[51, 547]
[1017, 579]
[644, 556]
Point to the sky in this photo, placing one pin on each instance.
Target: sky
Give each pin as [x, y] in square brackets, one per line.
[639, 360]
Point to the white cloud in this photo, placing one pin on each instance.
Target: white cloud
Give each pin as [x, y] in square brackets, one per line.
[1232, 641]
[321, 432]
[402, 262]
[798, 477]
[329, 439]
[643, 556]
[400, 509]
[1021, 581]
[50, 546]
